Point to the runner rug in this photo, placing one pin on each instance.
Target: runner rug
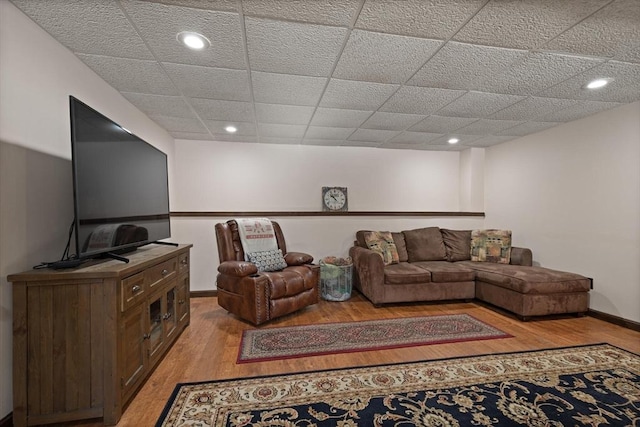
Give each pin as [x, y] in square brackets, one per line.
[590, 385]
[330, 338]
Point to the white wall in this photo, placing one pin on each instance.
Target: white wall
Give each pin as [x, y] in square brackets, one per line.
[220, 176]
[472, 180]
[37, 75]
[572, 194]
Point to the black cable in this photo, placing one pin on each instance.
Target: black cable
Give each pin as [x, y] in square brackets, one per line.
[66, 261]
[65, 254]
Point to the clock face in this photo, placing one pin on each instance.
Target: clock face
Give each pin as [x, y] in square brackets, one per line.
[334, 199]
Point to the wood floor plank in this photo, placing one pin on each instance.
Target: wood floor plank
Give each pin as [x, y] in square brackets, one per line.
[208, 348]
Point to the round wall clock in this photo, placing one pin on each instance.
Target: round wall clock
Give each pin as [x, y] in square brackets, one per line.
[334, 199]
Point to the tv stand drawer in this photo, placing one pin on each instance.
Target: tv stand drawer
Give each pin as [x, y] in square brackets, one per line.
[133, 290]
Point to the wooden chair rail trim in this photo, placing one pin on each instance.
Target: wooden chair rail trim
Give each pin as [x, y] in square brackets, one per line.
[200, 214]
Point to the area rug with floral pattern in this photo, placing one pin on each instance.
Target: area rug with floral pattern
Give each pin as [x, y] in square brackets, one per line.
[589, 385]
[343, 337]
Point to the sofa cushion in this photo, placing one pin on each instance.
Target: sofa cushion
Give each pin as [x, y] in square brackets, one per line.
[425, 244]
[445, 271]
[457, 243]
[529, 280]
[491, 246]
[382, 243]
[401, 246]
[405, 273]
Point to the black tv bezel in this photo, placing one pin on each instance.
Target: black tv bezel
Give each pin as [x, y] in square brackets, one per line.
[120, 249]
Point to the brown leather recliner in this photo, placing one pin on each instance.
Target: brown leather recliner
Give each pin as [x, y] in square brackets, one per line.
[259, 297]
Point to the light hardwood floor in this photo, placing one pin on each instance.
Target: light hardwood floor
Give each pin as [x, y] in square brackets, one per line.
[208, 348]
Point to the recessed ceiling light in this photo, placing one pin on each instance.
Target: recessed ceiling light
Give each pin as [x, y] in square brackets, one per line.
[598, 83]
[231, 129]
[453, 140]
[193, 40]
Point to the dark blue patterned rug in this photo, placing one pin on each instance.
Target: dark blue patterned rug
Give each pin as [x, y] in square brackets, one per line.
[589, 385]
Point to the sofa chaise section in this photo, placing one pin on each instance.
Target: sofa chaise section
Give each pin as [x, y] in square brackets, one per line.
[531, 291]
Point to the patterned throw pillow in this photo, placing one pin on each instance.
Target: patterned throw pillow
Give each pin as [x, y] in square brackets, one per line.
[491, 246]
[268, 260]
[382, 243]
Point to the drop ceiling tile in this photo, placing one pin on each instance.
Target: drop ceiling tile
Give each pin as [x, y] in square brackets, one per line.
[110, 32]
[293, 48]
[217, 127]
[284, 114]
[337, 117]
[195, 136]
[463, 66]
[613, 32]
[321, 132]
[324, 142]
[478, 104]
[179, 124]
[227, 5]
[234, 138]
[328, 12]
[438, 19]
[213, 83]
[527, 128]
[277, 130]
[578, 111]
[402, 145]
[464, 139]
[488, 127]
[279, 140]
[524, 24]
[420, 100]
[414, 137]
[383, 58]
[131, 75]
[270, 88]
[372, 135]
[441, 124]
[356, 95]
[391, 121]
[624, 88]
[531, 108]
[444, 147]
[489, 140]
[536, 72]
[162, 105]
[372, 144]
[159, 25]
[223, 110]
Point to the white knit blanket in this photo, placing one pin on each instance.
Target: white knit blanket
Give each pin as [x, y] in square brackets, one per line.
[256, 235]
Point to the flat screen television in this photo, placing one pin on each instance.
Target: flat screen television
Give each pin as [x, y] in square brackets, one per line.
[120, 186]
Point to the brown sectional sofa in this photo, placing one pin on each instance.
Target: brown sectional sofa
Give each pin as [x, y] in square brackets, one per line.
[435, 265]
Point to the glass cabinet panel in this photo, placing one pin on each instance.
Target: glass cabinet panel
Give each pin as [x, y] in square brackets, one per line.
[155, 324]
[171, 317]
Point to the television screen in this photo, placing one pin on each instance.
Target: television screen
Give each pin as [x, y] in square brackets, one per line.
[121, 191]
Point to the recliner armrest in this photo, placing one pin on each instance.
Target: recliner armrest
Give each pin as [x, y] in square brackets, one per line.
[238, 268]
[297, 258]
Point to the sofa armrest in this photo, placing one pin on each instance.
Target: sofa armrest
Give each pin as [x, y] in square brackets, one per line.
[237, 268]
[521, 256]
[369, 273]
[297, 258]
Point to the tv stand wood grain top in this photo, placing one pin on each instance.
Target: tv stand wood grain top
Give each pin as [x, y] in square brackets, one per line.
[85, 339]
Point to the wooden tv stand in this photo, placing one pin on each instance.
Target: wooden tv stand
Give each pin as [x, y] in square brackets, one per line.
[85, 339]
